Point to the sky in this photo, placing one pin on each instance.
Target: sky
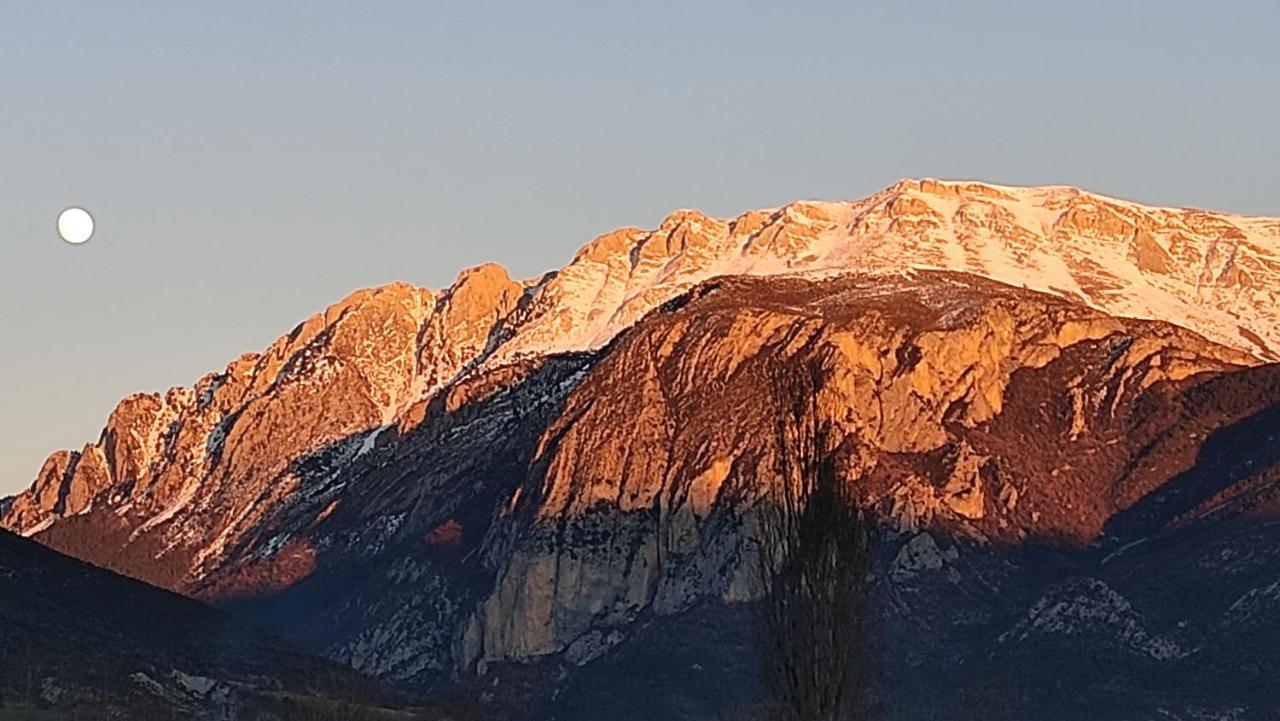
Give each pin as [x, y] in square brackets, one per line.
[249, 163]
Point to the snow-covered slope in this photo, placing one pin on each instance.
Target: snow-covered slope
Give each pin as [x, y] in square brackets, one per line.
[1214, 273]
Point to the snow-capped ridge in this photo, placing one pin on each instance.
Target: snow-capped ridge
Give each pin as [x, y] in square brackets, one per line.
[1213, 273]
[392, 347]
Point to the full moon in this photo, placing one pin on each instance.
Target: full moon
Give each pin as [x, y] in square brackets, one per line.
[75, 225]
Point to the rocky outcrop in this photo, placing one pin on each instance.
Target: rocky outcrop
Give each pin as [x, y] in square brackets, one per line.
[922, 390]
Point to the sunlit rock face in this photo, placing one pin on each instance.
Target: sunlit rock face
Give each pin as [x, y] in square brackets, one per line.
[982, 412]
[435, 485]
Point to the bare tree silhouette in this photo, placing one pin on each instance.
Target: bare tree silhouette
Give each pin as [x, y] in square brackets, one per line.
[816, 545]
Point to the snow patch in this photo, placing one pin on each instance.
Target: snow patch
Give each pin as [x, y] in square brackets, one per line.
[371, 439]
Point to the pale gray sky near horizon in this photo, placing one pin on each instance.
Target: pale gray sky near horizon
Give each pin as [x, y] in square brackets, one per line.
[249, 163]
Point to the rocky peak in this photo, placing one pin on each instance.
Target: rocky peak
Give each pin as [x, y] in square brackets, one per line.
[221, 448]
[463, 325]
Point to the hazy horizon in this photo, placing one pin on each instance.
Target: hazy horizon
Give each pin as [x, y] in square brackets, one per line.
[249, 167]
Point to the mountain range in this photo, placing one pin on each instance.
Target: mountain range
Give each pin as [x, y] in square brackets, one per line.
[1062, 409]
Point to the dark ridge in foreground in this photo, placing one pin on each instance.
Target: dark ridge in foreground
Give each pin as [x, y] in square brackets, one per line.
[82, 642]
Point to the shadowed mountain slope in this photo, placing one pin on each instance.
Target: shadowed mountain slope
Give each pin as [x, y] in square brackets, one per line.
[76, 636]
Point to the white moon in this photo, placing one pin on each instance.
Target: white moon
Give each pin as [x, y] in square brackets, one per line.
[75, 225]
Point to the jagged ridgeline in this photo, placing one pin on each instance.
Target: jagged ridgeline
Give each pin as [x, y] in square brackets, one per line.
[1058, 408]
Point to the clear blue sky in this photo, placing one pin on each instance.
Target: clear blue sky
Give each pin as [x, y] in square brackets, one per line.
[249, 164]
